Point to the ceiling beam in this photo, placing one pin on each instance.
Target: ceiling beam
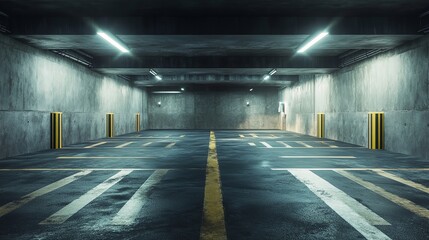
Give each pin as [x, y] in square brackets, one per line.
[217, 62]
[214, 25]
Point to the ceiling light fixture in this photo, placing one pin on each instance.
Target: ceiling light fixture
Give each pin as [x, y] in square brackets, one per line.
[157, 76]
[272, 72]
[250, 89]
[113, 40]
[166, 92]
[266, 77]
[313, 41]
[182, 89]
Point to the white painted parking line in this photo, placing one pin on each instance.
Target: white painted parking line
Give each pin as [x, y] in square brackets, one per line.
[266, 145]
[405, 203]
[352, 169]
[253, 135]
[170, 145]
[124, 145]
[9, 207]
[147, 144]
[330, 145]
[95, 145]
[241, 135]
[100, 157]
[325, 157]
[182, 136]
[304, 144]
[353, 212]
[252, 144]
[68, 211]
[130, 211]
[407, 182]
[285, 144]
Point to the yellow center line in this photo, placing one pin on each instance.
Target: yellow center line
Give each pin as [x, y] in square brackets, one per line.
[213, 226]
[407, 182]
[405, 203]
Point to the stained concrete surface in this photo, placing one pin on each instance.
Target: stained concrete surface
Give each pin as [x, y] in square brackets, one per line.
[259, 202]
[35, 83]
[395, 82]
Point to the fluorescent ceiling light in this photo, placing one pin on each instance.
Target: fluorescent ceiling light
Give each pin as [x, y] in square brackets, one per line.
[266, 77]
[153, 72]
[158, 77]
[166, 92]
[182, 89]
[312, 42]
[251, 89]
[272, 72]
[112, 41]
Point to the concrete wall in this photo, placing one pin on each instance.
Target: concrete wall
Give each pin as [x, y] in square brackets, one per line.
[34, 83]
[395, 82]
[215, 109]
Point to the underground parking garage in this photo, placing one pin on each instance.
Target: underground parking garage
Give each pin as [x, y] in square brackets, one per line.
[214, 120]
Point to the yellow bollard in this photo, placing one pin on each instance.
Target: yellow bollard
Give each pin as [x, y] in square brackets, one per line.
[109, 125]
[320, 125]
[56, 130]
[138, 122]
[376, 130]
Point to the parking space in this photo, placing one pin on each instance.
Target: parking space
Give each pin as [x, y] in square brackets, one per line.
[218, 185]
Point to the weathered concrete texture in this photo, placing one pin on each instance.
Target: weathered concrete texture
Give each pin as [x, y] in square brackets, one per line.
[224, 109]
[35, 83]
[396, 82]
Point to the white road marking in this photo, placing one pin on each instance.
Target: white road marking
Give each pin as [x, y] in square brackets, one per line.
[170, 145]
[130, 211]
[407, 182]
[327, 157]
[330, 145]
[95, 145]
[9, 207]
[253, 135]
[241, 135]
[318, 147]
[266, 145]
[252, 144]
[352, 169]
[124, 145]
[99, 157]
[403, 202]
[357, 215]
[304, 144]
[68, 211]
[285, 144]
[182, 136]
[147, 144]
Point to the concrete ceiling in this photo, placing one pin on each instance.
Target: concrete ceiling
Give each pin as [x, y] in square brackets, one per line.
[219, 41]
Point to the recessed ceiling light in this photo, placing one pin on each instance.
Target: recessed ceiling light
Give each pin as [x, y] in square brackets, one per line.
[112, 41]
[313, 41]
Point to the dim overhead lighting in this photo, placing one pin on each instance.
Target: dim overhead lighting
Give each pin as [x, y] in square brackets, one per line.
[166, 92]
[157, 76]
[313, 41]
[113, 41]
[266, 77]
[272, 72]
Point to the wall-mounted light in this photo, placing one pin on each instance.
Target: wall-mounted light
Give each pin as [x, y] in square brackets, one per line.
[157, 76]
[113, 41]
[247, 103]
[159, 104]
[313, 41]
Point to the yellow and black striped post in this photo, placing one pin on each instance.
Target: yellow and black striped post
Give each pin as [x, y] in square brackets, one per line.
[56, 130]
[109, 125]
[138, 122]
[320, 125]
[376, 130]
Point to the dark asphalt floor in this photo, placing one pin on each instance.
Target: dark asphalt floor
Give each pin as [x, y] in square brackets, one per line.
[263, 195]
